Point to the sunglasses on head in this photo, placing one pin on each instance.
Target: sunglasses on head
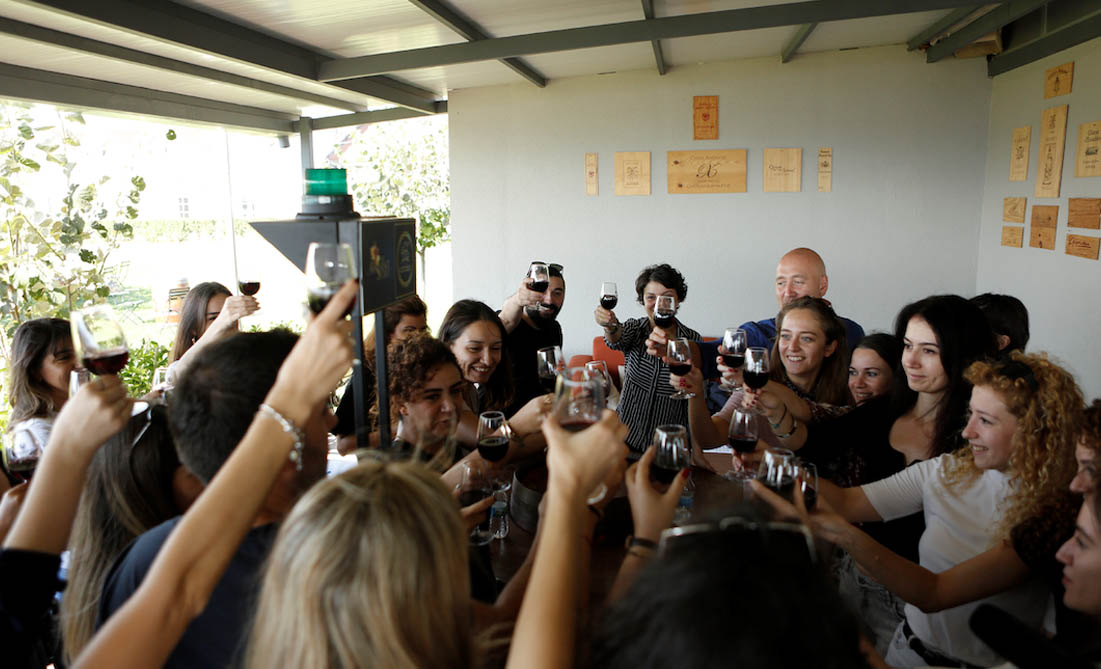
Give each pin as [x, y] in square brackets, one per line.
[740, 524]
[552, 266]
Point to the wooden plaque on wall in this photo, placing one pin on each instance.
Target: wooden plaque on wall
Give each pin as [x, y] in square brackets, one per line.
[1013, 236]
[782, 170]
[1084, 212]
[1018, 159]
[1083, 247]
[705, 117]
[632, 173]
[1053, 135]
[1059, 80]
[706, 171]
[591, 180]
[1088, 160]
[1013, 210]
[1042, 238]
[825, 169]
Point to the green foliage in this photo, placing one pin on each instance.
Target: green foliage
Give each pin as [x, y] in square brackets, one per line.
[144, 359]
[293, 326]
[400, 168]
[54, 260]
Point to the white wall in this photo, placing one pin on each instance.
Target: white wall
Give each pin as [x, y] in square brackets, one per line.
[909, 142]
[1060, 291]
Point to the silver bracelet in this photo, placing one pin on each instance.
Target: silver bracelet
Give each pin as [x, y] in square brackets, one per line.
[290, 428]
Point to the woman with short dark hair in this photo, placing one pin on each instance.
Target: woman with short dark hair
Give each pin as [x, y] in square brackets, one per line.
[645, 401]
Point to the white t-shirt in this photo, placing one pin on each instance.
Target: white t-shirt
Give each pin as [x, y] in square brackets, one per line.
[31, 435]
[960, 523]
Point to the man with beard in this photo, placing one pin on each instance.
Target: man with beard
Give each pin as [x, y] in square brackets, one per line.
[530, 319]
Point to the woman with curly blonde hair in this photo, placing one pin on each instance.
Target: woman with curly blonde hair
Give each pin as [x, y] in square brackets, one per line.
[1025, 417]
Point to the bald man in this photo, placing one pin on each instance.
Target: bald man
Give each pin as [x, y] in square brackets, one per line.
[801, 273]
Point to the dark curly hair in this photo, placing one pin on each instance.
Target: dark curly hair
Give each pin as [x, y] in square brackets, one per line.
[409, 364]
[664, 274]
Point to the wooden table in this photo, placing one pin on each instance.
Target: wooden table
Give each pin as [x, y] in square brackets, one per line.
[713, 493]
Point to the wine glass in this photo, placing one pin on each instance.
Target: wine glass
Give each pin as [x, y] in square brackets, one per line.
[742, 438]
[77, 378]
[539, 274]
[778, 472]
[679, 356]
[732, 350]
[328, 267]
[578, 401]
[806, 477]
[473, 488]
[665, 311]
[494, 434]
[98, 340]
[549, 363]
[671, 453]
[160, 379]
[21, 452]
[599, 368]
[609, 296]
[755, 374]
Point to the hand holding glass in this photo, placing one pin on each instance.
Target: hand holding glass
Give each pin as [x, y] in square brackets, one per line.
[742, 438]
[328, 267]
[549, 363]
[733, 349]
[578, 402]
[679, 357]
[98, 340]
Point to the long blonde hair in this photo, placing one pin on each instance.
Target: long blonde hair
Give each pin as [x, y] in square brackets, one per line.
[368, 570]
[1049, 409]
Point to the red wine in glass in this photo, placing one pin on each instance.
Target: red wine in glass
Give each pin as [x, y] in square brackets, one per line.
[106, 362]
[249, 287]
[469, 497]
[609, 301]
[733, 361]
[318, 298]
[540, 286]
[810, 497]
[663, 320]
[576, 424]
[493, 449]
[742, 445]
[785, 488]
[663, 475]
[680, 368]
[548, 383]
[755, 380]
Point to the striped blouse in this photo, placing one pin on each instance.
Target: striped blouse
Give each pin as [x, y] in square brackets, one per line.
[644, 402]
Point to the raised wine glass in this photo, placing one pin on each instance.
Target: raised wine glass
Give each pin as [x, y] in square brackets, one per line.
[475, 487]
[21, 453]
[98, 340]
[679, 357]
[755, 374]
[549, 363]
[77, 378]
[778, 472]
[539, 274]
[806, 477]
[578, 402]
[328, 267]
[671, 453]
[665, 311]
[732, 351]
[599, 368]
[494, 434]
[609, 296]
[742, 438]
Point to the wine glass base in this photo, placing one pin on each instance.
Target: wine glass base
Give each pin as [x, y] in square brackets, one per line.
[681, 395]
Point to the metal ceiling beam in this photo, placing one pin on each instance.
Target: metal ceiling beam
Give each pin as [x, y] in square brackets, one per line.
[796, 41]
[79, 44]
[27, 83]
[689, 25]
[191, 28]
[940, 26]
[471, 31]
[659, 55]
[989, 22]
[1075, 33]
[345, 120]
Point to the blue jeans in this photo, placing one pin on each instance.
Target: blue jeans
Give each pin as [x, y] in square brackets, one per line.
[878, 608]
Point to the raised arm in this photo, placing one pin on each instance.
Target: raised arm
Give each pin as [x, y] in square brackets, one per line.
[235, 308]
[513, 308]
[545, 632]
[176, 589]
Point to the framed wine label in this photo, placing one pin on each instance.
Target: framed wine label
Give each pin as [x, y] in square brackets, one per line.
[706, 171]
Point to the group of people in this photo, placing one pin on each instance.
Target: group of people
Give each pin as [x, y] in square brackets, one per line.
[958, 482]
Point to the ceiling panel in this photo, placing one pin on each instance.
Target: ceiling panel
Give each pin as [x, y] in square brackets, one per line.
[54, 59]
[725, 46]
[467, 75]
[876, 31]
[594, 61]
[340, 28]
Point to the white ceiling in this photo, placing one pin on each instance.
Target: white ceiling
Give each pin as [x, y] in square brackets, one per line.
[350, 28]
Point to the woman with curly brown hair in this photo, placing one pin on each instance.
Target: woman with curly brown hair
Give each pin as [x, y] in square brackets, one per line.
[1026, 415]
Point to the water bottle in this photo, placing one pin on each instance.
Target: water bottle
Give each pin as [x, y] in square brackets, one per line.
[498, 519]
[684, 507]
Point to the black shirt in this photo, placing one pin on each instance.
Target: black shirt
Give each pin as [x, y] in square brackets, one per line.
[346, 410]
[28, 581]
[522, 344]
[217, 637]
